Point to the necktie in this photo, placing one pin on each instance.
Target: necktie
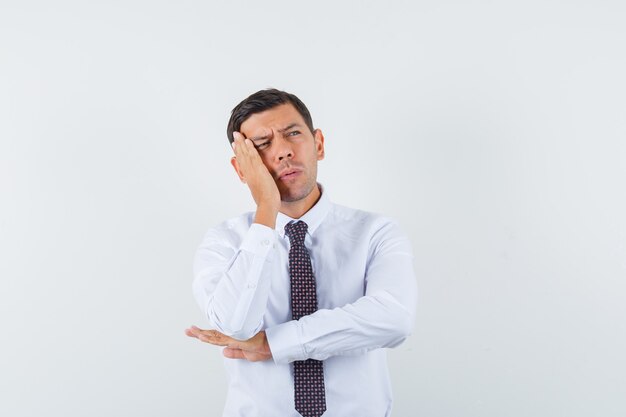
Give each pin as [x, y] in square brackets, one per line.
[309, 395]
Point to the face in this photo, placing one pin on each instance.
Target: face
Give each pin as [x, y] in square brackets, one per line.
[287, 148]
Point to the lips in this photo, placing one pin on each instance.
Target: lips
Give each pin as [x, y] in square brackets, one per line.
[289, 173]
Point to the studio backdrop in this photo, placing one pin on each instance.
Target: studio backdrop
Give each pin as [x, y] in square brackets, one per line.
[493, 132]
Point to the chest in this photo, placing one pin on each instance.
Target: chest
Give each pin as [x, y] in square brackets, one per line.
[339, 268]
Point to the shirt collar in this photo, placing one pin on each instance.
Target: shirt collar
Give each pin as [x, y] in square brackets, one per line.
[313, 218]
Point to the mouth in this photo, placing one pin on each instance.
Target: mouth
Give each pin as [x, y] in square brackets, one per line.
[289, 174]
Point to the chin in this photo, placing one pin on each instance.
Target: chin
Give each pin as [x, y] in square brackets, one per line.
[292, 195]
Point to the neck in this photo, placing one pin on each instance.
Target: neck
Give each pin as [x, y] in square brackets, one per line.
[297, 209]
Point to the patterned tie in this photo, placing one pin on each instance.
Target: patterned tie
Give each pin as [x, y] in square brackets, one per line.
[308, 375]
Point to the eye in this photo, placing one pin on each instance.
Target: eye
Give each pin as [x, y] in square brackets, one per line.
[294, 133]
[263, 145]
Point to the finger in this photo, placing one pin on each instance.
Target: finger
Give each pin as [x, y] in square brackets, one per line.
[236, 136]
[236, 141]
[233, 353]
[215, 338]
[206, 339]
[209, 336]
[253, 152]
[245, 153]
[193, 331]
[240, 146]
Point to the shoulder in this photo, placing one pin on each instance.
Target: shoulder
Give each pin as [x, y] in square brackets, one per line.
[383, 234]
[230, 231]
[359, 218]
[371, 226]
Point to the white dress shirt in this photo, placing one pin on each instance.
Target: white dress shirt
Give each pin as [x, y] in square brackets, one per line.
[366, 292]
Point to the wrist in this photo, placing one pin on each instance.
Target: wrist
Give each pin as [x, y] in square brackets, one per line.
[266, 215]
[265, 348]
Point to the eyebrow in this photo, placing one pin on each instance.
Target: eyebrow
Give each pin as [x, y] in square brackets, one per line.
[290, 126]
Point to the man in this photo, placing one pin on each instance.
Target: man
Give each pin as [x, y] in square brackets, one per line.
[302, 293]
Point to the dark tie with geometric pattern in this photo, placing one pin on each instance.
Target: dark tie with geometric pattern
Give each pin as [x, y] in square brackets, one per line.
[308, 375]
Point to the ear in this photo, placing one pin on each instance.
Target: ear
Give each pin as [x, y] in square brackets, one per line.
[235, 164]
[318, 137]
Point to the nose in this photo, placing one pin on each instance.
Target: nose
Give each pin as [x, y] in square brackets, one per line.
[283, 148]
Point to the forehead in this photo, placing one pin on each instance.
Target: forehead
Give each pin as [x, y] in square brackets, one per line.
[275, 118]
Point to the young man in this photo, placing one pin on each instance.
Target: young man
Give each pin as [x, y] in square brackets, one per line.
[302, 293]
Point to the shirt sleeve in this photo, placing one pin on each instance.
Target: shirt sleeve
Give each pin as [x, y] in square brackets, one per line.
[231, 284]
[383, 317]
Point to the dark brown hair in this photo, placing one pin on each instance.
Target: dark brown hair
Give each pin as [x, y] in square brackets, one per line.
[264, 100]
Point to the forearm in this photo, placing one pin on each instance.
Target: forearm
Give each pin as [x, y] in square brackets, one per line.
[371, 322]
[266, 215]
[232, 285]
[383, 317]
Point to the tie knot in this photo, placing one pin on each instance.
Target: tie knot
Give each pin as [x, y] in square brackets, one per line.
[296, 232]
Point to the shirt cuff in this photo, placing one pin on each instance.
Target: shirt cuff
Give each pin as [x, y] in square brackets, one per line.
[259, 240]
[284, 342]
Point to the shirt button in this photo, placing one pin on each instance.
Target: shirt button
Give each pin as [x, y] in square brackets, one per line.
[265, 242]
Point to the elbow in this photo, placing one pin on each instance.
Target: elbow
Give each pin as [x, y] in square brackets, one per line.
[239, 331]
[404, 325]
[399, 319]
[404, 314]
[243, 334]
[401, 327]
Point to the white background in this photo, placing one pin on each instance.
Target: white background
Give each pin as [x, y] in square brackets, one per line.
[494, 132]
